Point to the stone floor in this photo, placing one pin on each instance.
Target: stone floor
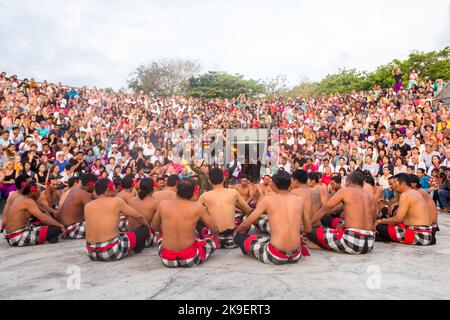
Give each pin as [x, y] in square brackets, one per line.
[392, 271]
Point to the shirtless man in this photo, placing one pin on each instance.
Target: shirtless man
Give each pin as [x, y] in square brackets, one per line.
[127, 191]
[286, 215]
[432, 209]
[170, 193]
[145, 204]
[356, 235]
[264, 188]
[300, 188]
[374, 190]
[19, 233]
[71, 213]
[245, 189]
[72, 183]
[49, 199]
[319, 194]
[104, 242]
[20, 183]
[413, 222]
[221, 204]
[180, 245]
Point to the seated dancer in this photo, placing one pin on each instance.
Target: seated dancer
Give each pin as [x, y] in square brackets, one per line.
[72, 183]
[71, 213]
[170, 192]
[126, 193]
[145, 204]
[177, 220]
[432, 209]
[49, 199]
[264, 188]
[19, 232]
[104, 242]
[318, 188]
[20, 183]
[221, 204]
[334, 219]
[300, 188]
[245, 190]
[356, 236]
[286, 215]
[413, 222]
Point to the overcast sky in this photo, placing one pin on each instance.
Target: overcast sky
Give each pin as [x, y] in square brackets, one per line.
[99, 42]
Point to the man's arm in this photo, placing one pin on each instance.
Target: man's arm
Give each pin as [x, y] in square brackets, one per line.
[401, 213]
[43, 204]
[156, 222]
[306, 216]
[242, 204]
[208, 221]
[130, 212]
[257, 213]
[328, 206]
[38, 214]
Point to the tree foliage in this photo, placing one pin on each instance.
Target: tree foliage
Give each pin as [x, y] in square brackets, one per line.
[165, 77]
[223, 85]
[434, 65]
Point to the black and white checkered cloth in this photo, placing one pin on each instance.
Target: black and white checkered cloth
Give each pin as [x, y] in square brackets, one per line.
[193, 256]
[401, 233]
[113, 250]
[28, 236]
[351, 241]
[76, 231]
[261, 249]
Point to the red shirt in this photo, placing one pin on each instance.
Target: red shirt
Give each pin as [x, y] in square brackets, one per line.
[327, 179]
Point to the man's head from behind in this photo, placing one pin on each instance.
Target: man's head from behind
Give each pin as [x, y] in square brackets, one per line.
[172, 181]
[216, 176]
[356, 178]
[88, 181]
[299, 177]
[105, 187]
[282, 180]
[185, 189]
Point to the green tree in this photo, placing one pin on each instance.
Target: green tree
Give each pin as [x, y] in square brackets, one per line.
[223, 85]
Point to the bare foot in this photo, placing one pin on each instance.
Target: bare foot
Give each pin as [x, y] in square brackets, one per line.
[312, 245]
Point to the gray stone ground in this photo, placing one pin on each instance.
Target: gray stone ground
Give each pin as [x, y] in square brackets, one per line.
[406, 273]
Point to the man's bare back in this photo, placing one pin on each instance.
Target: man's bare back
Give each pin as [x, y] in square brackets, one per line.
[102, 218]
[166, 194]
[306, 194]
[414, 209]
[147, 207]
[178, 226]
[125, 195]
[72, 210]
[221, 205]
[359, 208]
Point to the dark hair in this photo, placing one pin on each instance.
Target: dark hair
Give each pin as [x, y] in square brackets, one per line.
[72, 180]
[27, 189]
[185, 189]
[172, 180]
[314, 176]
[101, 186]
[127, 182]
[356, 177]
[88, 178]
[146, 187]
[421, 169]
[370, 180]
[68, 167]
[282, 180]
[216, 176]
[301, 176]
[403, 178]
[415, 179]
[337, 178]
[19, 180]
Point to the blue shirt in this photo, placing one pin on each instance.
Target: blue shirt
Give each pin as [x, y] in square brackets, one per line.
[182, 177]
[425, 182]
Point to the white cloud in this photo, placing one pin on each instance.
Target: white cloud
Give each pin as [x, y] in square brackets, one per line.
[100, 42]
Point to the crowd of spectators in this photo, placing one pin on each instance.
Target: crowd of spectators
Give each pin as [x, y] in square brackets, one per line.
[52, 131]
